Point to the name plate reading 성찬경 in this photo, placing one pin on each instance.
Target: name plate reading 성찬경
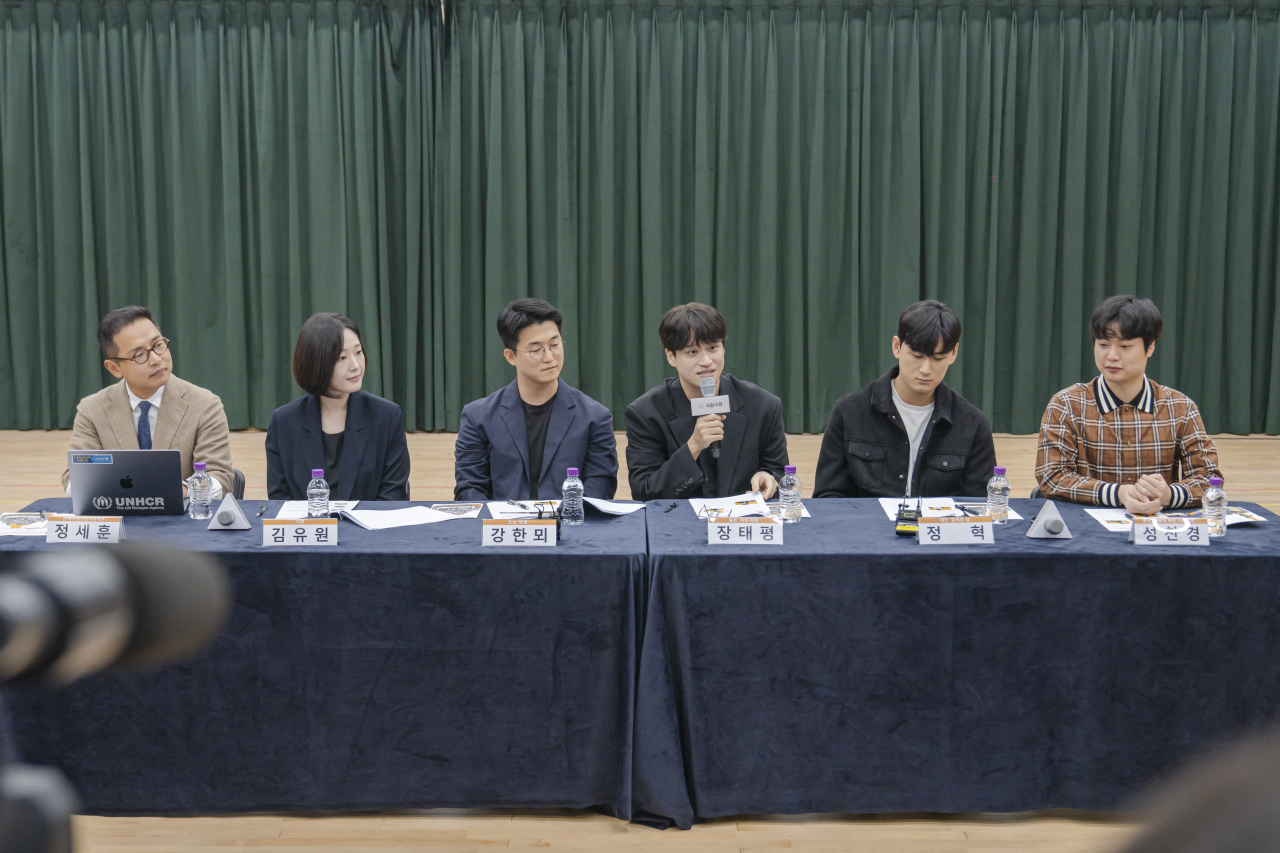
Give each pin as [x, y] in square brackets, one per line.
[1157, 530]
[82, 529]
[529, 532]
[975, 530]
[744, 531]
[299, 532]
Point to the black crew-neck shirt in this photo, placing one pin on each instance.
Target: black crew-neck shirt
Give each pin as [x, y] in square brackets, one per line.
[536, 419]
[332, 456]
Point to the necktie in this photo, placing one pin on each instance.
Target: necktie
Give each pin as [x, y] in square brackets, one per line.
[144, 426]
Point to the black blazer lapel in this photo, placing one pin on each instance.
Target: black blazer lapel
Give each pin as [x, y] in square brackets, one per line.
[311, 452]
[513, 417]
[735, 429]
[562, 415]
[679, 415]
[353, 444]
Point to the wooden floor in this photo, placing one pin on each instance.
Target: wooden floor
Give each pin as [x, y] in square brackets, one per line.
[31, 468]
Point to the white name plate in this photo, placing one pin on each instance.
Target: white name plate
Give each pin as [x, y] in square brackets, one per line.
[81, 529]
[956, 531]
[526, 532]
[1169, 531]
[297, 532]
[709, 405]
[744, 531]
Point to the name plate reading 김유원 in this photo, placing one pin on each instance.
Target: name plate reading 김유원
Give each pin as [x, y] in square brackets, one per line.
[530, 532]
[80, 529]
[975, 530]
[744, 531]
[710, 405]
[1169, 531]
[298, 532]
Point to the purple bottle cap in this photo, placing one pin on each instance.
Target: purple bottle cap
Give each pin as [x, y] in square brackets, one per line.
[572, 472]
[790, 469]
[1215, 481]
[317, 473]
[199, 466]
[999, 471]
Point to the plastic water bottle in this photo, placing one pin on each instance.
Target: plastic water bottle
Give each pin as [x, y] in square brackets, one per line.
[571, 499]
[1214, 502]
[789, 495]
[199, 488]
[317, 495]
[998, 497]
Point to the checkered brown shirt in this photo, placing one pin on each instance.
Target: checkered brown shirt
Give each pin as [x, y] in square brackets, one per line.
[1092, 443]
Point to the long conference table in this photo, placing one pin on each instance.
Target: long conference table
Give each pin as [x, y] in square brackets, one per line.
[638, 670]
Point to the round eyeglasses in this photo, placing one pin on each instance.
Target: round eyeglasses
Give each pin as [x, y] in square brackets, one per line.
[160, 347]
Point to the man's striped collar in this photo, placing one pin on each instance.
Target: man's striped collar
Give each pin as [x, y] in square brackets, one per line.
[1107, 401]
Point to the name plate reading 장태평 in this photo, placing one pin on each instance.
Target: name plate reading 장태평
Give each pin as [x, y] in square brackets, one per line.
[975, 530]
[744, 531]
[297, 532]
[529, 532]
[82, 529]
[1156, 530]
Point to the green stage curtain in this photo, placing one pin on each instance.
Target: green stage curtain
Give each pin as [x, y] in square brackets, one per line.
[235, 166]
[811, 168]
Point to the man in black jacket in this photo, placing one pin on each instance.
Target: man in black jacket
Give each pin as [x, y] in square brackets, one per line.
[907, 433]
[670, 453]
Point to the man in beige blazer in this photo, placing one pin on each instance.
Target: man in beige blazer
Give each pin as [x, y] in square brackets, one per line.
[150, 408]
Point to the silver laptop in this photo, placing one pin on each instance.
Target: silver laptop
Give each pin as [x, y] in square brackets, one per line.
[126, 482]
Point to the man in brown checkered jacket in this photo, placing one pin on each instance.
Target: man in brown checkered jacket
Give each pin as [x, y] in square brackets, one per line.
[1121, 439]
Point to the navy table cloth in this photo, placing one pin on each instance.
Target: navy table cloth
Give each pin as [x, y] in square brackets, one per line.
[637, 669]
[851, 670]
[402, 668]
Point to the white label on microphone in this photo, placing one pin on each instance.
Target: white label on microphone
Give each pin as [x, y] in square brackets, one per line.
[81, 529]
[709, 405]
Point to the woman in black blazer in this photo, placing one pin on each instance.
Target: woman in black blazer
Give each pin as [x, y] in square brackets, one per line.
[357, 438]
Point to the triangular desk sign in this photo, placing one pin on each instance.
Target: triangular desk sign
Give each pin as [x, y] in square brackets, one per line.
[1049, 524]
[229, 516]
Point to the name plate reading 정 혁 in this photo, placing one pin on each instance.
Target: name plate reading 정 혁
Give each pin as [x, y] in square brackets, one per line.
[81, 529]
[744, 531]
[299, 532]
[1156, 530]
[975, 530]
[529, 532]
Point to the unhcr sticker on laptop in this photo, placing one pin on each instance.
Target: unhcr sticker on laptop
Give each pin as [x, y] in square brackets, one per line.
[92, 458]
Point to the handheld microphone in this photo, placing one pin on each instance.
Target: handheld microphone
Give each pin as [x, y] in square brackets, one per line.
[708, 386]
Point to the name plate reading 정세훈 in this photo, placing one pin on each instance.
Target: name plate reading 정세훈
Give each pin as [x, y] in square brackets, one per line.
[298, 532]
[956, 531]
[529, 532]
[744, 531]
[710, 405]
[82, 529]
[1155, 530]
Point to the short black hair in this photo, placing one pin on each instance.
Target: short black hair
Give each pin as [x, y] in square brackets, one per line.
[318, 349]
[523, 313]
[116, 320]
[924, 323]
[693, 323]
[1136, 318]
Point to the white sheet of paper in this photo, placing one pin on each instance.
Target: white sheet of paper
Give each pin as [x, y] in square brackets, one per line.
[931, 507]
[804, 510]
[459, 510]
[504, 509]
[298, 509]
[735, 506]
[614, 507]
[36, 528]
[382, 519]
[1116, 519]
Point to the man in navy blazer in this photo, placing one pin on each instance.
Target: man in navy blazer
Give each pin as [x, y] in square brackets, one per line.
[518, 442]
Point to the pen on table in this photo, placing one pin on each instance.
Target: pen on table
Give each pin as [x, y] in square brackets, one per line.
[673, 506]
[261, 510]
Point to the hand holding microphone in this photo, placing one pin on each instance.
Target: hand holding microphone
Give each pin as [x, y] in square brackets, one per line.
[715, 426]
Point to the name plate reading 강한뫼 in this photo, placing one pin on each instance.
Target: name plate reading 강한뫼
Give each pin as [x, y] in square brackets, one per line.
[529, 532]
[82, 529]
[297, 532]
[710, 405]
[1155, 530]
[975, 530]
[744, 531]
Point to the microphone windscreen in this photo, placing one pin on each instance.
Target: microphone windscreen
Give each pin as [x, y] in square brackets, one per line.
[1053, 525]
[708, 386]
[182, 601]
